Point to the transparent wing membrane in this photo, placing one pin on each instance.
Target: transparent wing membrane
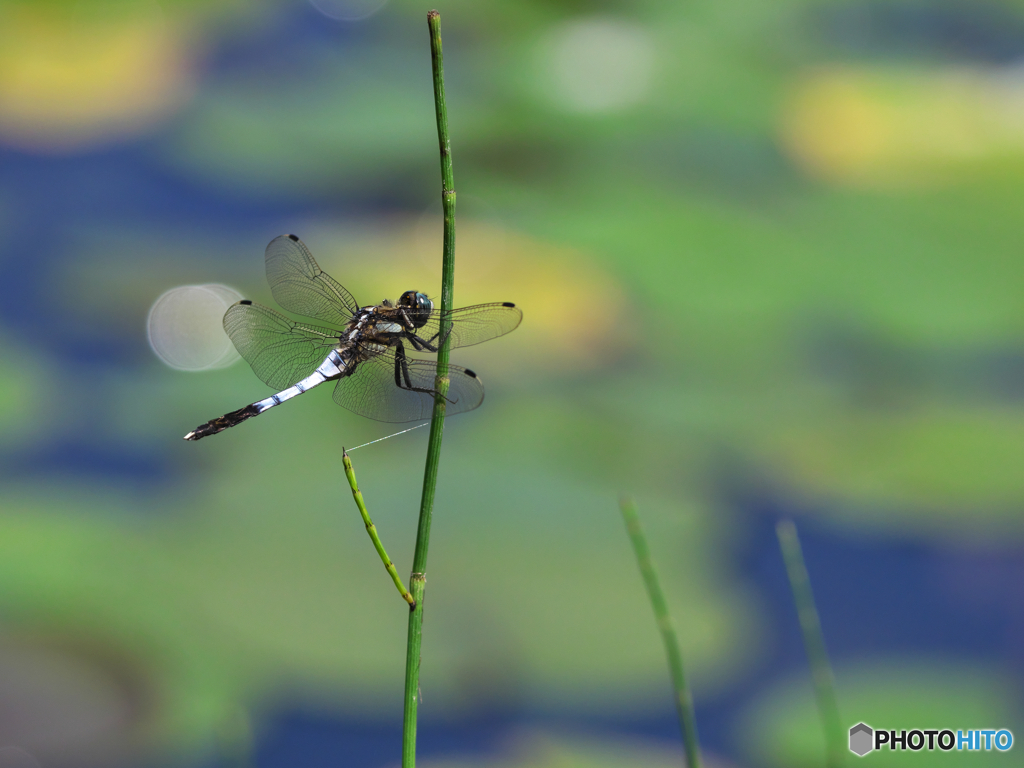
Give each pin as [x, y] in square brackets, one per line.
[280, 351]
[473, 325]
[300, 286]
[372, 392]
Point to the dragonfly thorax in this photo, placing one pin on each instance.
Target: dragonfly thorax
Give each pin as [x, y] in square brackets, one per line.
[374, 328]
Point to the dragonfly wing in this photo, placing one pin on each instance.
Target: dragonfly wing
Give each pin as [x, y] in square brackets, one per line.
[280, 351]
[300, 286]
[372, 392]
[473, 325]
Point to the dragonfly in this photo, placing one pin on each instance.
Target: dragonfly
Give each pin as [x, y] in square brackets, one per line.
[364, 349]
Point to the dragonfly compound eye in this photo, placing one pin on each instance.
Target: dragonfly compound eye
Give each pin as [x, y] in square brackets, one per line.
[418, 306]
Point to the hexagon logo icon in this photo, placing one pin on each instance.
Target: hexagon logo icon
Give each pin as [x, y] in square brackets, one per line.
[861, 739]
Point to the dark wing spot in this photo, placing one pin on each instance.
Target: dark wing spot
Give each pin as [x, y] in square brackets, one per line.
[507, 304]
[470, 373]
[247, 302]
[293, 237]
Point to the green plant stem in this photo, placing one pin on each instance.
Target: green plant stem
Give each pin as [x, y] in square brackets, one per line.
[418, 580]
[814, 642]
[371, 529]
[684, 700]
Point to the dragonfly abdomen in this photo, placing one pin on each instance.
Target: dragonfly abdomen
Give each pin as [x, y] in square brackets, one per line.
[335, 366]
[221, 423]
[332, 368]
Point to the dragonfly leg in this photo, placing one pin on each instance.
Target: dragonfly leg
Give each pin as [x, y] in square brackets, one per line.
[406, 320]
[402, 372]
[419, 344]
[432, 338]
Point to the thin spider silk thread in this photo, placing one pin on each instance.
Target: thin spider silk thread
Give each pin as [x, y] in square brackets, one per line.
[396, 434]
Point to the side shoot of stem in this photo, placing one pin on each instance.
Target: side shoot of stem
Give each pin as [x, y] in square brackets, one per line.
[371, 529]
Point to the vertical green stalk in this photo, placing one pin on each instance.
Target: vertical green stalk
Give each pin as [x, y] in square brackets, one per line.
[371, 529]
[418, 580]
[684, 700]
[814, 642]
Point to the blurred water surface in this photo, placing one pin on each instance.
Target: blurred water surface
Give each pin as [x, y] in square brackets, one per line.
[769, 257]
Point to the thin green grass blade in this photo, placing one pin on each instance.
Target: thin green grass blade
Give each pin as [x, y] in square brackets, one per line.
[814, 643]
[684, 700]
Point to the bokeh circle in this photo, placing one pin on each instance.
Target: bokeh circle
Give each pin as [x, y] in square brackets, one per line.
[598, 64]
[185, 327]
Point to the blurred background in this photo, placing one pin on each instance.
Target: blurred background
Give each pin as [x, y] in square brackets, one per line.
[769, 256]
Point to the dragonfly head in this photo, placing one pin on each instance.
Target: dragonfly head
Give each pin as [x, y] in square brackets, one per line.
[417, 306]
